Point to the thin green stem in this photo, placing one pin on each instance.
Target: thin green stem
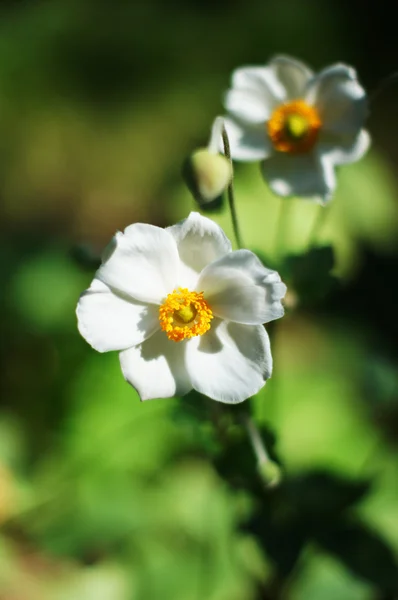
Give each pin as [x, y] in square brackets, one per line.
[230, 190]
[282, 226]
[269, 471]
[256, 440]
[319, 222]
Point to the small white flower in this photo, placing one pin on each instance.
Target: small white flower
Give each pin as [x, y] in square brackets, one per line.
[299, 124]
[184, 310]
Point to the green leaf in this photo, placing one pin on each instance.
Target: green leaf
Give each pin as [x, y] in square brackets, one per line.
[279, 528]
[288, 517]
[363, 551]
[320, 494]
[309, 274]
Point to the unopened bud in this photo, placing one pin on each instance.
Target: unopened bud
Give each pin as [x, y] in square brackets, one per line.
[207, 172]
[270, 473]
[207, 175]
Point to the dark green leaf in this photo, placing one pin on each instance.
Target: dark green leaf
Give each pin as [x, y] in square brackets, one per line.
[363, 551]
[309, 274]
[320, 494]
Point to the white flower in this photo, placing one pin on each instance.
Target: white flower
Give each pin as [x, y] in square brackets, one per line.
[299, 124]
[184, 310]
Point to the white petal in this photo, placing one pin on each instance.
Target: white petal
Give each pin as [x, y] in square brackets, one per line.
[261, 80]
[248, 106]
[292, 73]
[239, 288]
[347, 149]
[156, 368]
[307, 175]
[215, 142]
[200, 241]
[248, 143]
[231, 362]
[141, 262]
[329, 176]
[340, 100]
[109, 321]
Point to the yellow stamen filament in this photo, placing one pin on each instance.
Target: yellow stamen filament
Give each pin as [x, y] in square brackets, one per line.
[184, 314]
[294, 127]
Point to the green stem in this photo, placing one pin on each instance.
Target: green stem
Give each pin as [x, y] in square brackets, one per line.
[230, 190]
[281, 227]
[256, 441]
[269, 471]
[318, 224]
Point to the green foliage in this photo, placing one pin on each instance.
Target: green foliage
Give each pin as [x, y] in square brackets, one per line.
[309, 274]
[363, 551]
[326, 578]
[33, 295]
[312, 508]
[102, 496]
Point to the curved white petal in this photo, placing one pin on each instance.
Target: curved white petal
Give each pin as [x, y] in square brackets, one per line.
[200, 241]
[340, 99]
[345, 149]
[248, 106]
[141, 262]
[307, 175]
[261, 80]
[239, 288]
[109, 321]
[156, 368]
[215, 141]
[248, 144]
[292, 73]
[231, 362]
[328, 175]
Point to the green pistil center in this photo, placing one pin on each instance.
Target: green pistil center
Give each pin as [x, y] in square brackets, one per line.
[186, 314]
[296, 126]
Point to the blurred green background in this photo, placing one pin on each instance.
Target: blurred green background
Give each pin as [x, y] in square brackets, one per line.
[103, 497]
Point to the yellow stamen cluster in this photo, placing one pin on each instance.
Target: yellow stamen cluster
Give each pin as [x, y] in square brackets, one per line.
[185, 314]
[294, 127]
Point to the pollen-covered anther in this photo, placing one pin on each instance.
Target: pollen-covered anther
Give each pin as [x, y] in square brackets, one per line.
[294, 127]
[184, 314]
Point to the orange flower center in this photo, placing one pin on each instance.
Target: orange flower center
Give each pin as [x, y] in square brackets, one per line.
[184, 314]
[294, 127]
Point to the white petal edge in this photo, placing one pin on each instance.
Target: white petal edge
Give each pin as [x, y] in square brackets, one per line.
[142, 262]
[239, 288]
[200, 241]
[156, 368]
[307, 175]
[248, 144]
[344, 151]
[292, 73]
[248, 105]
[339, 98]
[261, 80]
[231, 362]
[108, 321]
[215, 141]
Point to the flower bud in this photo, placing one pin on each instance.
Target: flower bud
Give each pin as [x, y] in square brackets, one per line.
[270, 473]
[207, 175]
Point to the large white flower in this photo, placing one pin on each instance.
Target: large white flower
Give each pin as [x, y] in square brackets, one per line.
[184, 310]
[299, 124]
